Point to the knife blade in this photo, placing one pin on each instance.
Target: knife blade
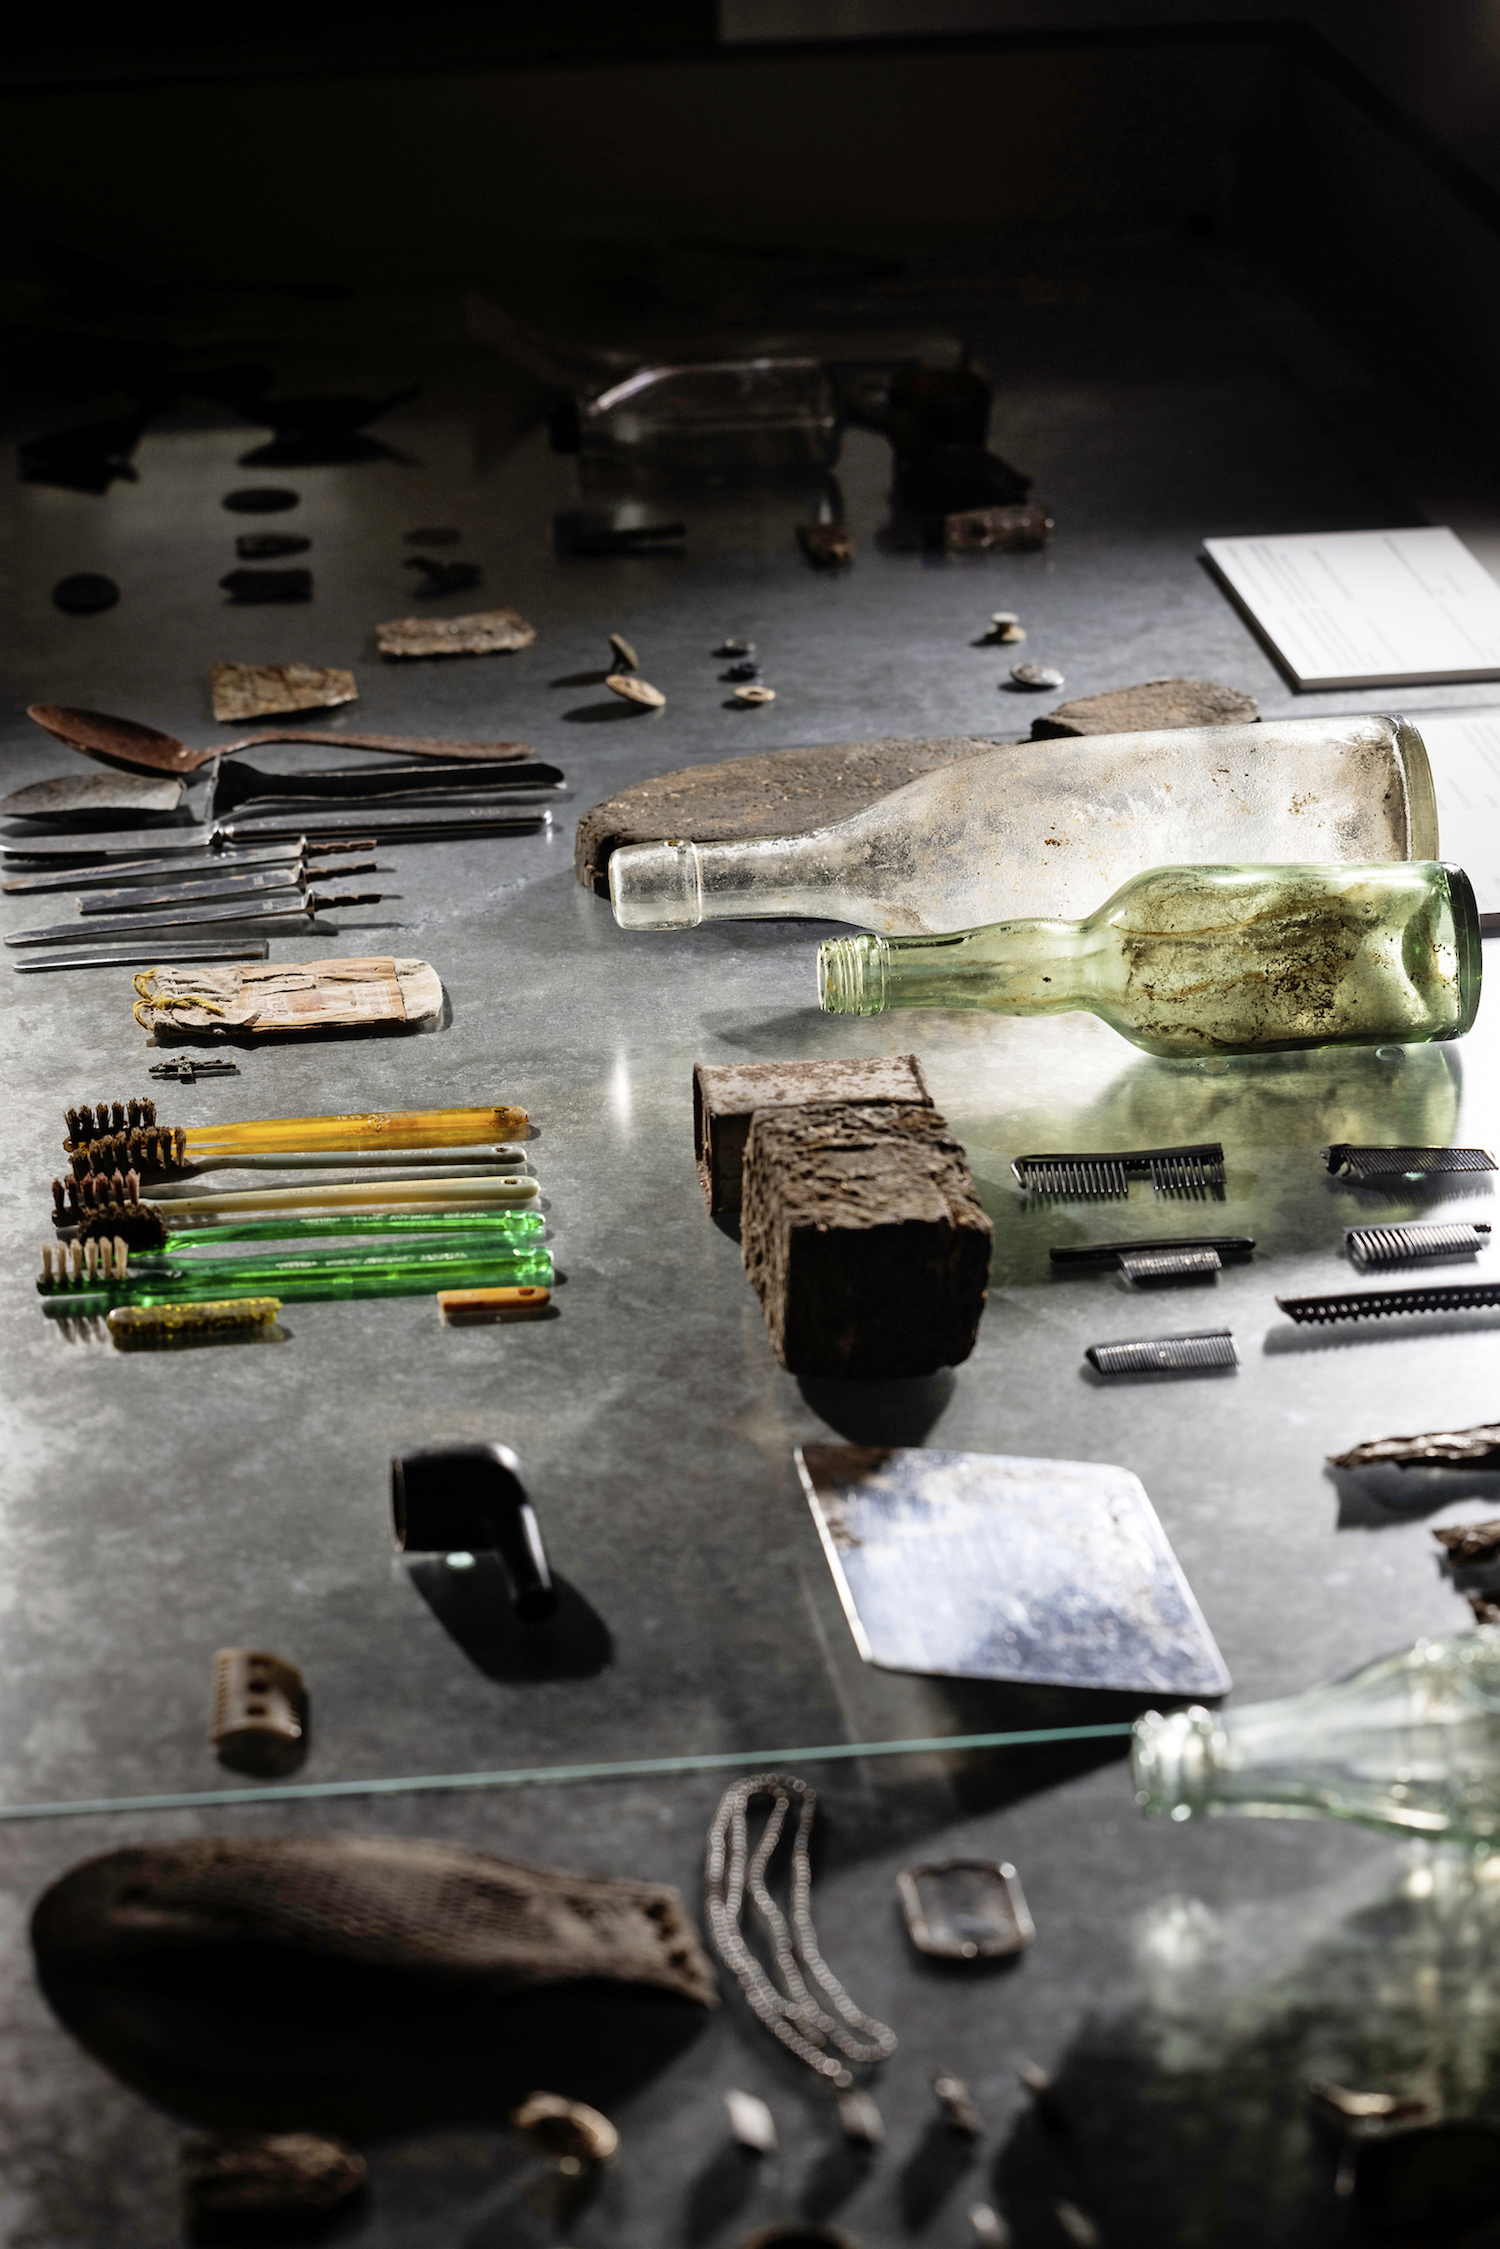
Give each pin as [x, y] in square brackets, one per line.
[150, 952]
[123, 843]
[267, 879]
[185, 917]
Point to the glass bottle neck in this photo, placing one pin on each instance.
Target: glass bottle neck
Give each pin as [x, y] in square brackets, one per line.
[1011, 968]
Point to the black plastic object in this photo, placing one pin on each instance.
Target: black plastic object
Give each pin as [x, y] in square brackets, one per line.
[85, 594]
[448, 1499]
[269, 546]
[443, 577]
[262, 499]
[268, 585]
[1434, 2185]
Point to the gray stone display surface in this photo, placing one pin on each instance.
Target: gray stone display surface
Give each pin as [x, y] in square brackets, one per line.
[1184, 1982]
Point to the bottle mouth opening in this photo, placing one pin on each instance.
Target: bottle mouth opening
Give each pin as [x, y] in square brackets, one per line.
[851, 976]
[1172, 1760]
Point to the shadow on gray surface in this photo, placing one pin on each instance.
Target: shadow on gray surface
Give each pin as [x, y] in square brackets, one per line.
[723, 2186]
[1374, 1498]
[598, 714]
[473, 1606]
[898, 1412]
[931, 2173]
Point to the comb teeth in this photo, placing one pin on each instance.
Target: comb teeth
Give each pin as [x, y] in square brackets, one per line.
[1383, 1303]
[1145, 1267]
[1165, 1354]
[1348, 1162]
[1172, 1171]
[1405, 1245]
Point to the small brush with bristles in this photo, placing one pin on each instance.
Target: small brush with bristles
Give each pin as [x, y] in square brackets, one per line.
[127, 1134]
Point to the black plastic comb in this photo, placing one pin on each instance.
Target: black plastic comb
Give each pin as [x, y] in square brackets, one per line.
[1407, 1245]
[1348, 1162]
[1385, 1303]
[1190, 1170]
[1165, 1354]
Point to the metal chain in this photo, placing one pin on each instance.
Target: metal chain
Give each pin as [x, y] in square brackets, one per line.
[790, 2013]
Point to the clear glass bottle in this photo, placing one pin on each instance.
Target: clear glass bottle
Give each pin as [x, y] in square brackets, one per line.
[724, 415]
[1192, 961]
[1410, 1743]
[1049, 827]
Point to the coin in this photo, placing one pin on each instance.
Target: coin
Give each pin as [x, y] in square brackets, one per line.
[626, 658]
[1035, 675]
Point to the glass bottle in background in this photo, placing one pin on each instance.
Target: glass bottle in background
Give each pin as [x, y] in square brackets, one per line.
[1050, 827]
[1410, 1743]
[1193, 961]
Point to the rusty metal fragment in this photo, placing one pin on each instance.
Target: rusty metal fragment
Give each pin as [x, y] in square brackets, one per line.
[1442, 1448]
[267, 585]
[489, 632]
[1008, 530]
[827, 546]
[249, 2186]
[246, 691]
[1466, 1543]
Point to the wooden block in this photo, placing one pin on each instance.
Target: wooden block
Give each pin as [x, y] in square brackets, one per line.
[777, 794]
[1139, 710]
[726, 1095]
[864, 1239]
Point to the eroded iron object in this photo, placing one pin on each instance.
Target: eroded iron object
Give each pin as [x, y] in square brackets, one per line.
[443, 577]
[448, 1499]
[187, 1068]
[1003, 530]
[489, 632]
[246, 691]
[1439, 1448]
[827, 546]
[360, 1984]
[1165, 1354]
[1348, 1162]
[1466, 1545]
[258, 1722]
[1195, 1169]
[984, 1566]
[965, 1909]
[252, 2186]
[251, 586]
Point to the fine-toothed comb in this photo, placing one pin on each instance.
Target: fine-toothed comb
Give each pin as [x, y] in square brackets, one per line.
[1172, 1171]
[1408, 1245]
[126, 1134]
[1383, 1303]
[1347, 1162]
[1145, 1264]
[1165, 1354]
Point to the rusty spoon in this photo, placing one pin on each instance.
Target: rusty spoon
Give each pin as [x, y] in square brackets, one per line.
[121, 741]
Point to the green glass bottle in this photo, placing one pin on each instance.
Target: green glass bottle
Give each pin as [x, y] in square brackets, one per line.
[1192, 961]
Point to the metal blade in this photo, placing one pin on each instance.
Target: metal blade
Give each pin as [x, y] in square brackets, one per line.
[147, 870]
[170, 917]
[149, 953]
[152, 895]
